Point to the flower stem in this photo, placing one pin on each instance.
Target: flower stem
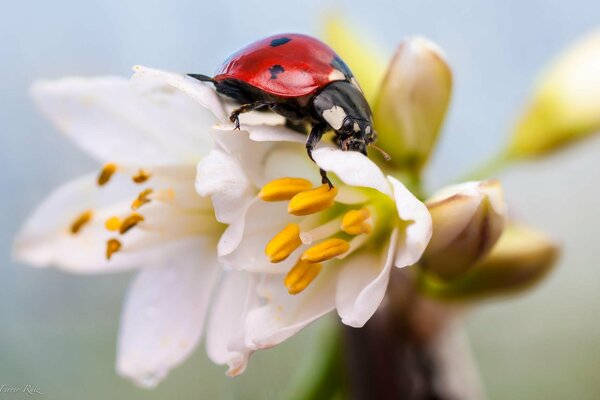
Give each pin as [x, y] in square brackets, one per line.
[488, 169]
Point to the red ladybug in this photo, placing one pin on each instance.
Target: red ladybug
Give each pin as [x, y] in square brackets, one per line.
[302, 79]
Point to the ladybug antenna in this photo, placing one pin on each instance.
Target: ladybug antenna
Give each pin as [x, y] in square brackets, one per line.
[385, 155]
[202, 78]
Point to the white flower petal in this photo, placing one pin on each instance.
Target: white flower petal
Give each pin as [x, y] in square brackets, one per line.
[352, 168]
[263, 220]
[163, 316]
[220, 176]
[112, 122]
[225, 332]
[45, 239]
[201, 92]
[362, 283]
[415, 237]
[284, 315]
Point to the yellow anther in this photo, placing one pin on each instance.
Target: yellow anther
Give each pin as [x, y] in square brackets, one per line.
[112, 246]
[130, 222]
[113, 224]
[284, 243]
[283, 189]
[141, 177]
[107, 172]
[354, 223]
[83, 219]
[300, 276]
[142, 199]
[326, 250]
[312, 201]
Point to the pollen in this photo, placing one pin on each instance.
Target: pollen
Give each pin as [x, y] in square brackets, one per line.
[112, 246]
[141, 176]
[107, 172]
[326, 250]
[301, 275]
[130, 222]
[283, 244]
[284, 189]
[354, 223]
[143, 198]
[312, 201]
[113, 224]
[83, 219]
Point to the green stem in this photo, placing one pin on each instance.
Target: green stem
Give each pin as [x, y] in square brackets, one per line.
[489, 168]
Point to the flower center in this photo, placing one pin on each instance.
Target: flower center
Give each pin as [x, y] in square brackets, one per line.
[330, 225]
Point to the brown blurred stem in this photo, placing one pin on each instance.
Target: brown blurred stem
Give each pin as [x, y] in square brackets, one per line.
[402, 353]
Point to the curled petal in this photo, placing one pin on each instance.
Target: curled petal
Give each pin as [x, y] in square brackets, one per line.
[225, 333]
[362, 283]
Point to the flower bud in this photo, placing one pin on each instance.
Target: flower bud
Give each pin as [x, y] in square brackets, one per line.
[520, 259]
[565, 104]
[411, 104]
[467, 221]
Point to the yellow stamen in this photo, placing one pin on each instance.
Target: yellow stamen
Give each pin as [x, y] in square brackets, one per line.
[141, 199]
[83, 219]
[283, 189]
[112, 246]
[130, 222]
[312, 201]
[284, 243]
[113, 224]
[326, 250]
[107, 172]
[141, 177]
[354, 223]
[300, 276]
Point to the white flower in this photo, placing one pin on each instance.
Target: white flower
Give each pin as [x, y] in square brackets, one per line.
[314, 249]
[141, 211]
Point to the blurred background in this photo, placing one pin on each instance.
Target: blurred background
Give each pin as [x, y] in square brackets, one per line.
[58, 331]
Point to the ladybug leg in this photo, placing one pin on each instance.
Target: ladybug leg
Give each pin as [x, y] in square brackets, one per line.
[234, 116]
[314, 137]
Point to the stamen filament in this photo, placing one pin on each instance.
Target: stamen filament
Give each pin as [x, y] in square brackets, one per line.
[321, 232]
[312, 201]
[283, 189]
[326, 250]
[301, 275]
[283, 244]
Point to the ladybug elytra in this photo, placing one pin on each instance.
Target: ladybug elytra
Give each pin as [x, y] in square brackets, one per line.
[304, 80]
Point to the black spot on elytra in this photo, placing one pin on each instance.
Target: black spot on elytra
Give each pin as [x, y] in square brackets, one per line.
[340, 65]
[279, 41]
[276, 70]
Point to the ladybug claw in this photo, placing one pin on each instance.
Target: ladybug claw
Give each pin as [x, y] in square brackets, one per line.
[325, 179]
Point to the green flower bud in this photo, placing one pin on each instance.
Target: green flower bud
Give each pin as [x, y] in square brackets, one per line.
[565, 105]
[411, 104]
[520, 259]
[467, 221]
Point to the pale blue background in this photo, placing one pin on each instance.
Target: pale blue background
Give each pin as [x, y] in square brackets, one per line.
[57, 331]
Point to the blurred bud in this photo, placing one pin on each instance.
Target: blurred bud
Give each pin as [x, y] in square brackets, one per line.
[365, 61]
[520, 259]
[467, 220]
[412, 101]
[566, 103]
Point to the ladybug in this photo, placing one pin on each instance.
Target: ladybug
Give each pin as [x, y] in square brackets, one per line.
[305, 81]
